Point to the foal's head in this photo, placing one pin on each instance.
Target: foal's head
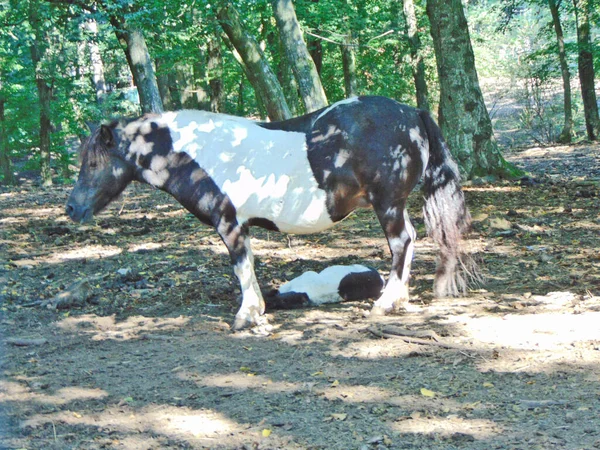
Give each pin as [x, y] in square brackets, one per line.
[103, 175]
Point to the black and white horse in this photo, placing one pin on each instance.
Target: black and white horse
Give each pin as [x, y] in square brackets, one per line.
[297, 176]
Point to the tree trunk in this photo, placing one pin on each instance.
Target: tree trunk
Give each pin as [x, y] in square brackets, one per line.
[140, 63]
[463, 116]
[44, 89]
[303, 66]
[215, 73]
[585, 64]
[349, 67]
[253, 62]
[91, 27]
[8, 178]
[167, 85]
[416, 55]
[567, 131]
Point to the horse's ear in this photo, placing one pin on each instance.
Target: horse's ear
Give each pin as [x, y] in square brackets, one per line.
[91, 126]
[106, 136]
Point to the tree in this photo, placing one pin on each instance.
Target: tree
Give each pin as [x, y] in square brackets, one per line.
[463, 116]
[38, 48]
[585, 64]
[140, 63]
[253, 61]
[309, 83]
[349, 67]
[5, 163]
[416, 54]
[567, 131]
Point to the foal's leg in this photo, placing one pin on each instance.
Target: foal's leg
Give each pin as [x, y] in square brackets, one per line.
[401, 236]
[253, 306]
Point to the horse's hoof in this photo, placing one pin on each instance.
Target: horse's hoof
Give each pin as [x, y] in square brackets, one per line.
[378, 311]
[246, 321]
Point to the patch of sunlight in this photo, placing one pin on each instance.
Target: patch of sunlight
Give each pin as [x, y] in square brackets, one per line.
[145, 246]
[87, 252]
[206, 423]
[176, 422]
[102, 328]
[374, 349]
[544, 331]
[447, 426]
[34, 213]
[11, 391]
[242, 381]
[492, 188]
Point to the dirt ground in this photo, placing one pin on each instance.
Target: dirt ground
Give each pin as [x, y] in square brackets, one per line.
[139, 354]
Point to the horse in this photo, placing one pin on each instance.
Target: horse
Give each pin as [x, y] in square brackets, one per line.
[300, 175]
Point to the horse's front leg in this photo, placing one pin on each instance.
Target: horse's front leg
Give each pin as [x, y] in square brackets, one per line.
[401, 237]
[253, 306]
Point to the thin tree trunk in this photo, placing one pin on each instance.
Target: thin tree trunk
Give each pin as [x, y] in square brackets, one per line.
[253, 62]
[463, 116]
[303, 66]
[349, 67]
[6, 169]
[215, 73]
[567, 131]
[44, 90]
[140, 63]
[167, 85]
[585, 63]
[91, 27]
[416, 55]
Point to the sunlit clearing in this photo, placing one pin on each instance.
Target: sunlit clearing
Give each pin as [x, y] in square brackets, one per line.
[11, 391]
[544, 331]
[101, 328]
[447, 426]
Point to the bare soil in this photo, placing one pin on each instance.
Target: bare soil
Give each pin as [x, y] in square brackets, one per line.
[117, 335]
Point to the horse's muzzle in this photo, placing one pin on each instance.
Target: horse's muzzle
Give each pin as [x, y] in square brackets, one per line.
[79, 213]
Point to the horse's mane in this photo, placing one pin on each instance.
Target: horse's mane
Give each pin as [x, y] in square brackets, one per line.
[96, 148]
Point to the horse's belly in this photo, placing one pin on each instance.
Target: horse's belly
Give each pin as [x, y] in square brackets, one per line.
[291, 206]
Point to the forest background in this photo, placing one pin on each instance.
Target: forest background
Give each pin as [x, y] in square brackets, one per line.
[67, 62]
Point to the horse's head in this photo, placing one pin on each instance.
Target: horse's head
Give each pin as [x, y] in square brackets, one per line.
[104, 174]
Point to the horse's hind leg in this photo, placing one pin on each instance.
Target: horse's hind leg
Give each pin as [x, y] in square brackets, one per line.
[253, 306]
[401, 236]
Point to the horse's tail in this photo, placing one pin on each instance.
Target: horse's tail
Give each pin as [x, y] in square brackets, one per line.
[446, 215]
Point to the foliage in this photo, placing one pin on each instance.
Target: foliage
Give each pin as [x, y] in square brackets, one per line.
[511, 38]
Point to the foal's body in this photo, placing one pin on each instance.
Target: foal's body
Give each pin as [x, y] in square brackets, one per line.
[299, 176]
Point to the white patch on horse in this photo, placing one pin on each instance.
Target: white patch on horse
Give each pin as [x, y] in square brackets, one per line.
[340, 158]
[252, 301]
[322, 287]
[117, 172]
[265, 173]
[417, 137]
[395, 293]
[335, 105]
[157, 174]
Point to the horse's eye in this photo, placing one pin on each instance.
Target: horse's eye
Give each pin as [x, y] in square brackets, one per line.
[93, 165]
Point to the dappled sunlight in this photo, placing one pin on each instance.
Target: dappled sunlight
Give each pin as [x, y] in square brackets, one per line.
[135, 327]
[479, 429]
[541, 331]
[88, 252]
[146, 246]
[175, 422]
[241, 381]
[13, 391]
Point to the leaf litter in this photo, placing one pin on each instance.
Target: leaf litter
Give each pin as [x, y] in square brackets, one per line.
[142, 356]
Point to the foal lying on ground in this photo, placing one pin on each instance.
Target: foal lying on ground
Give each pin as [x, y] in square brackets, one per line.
[297, 176]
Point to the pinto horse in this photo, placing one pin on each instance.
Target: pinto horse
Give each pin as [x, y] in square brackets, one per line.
[296, 176]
